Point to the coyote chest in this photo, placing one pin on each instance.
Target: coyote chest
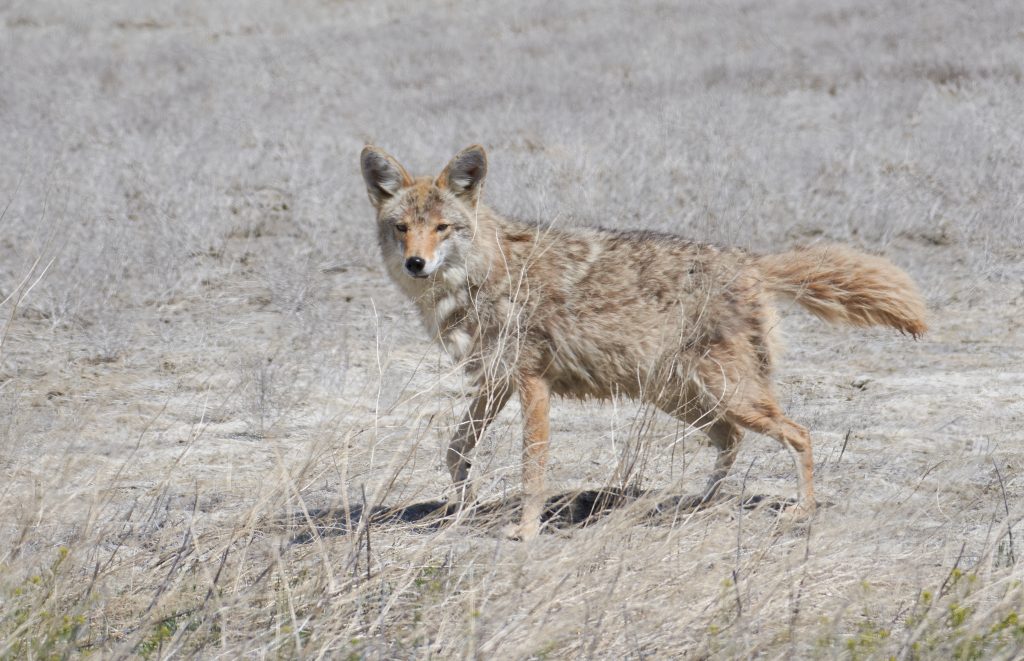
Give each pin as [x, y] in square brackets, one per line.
[473, 329]
[447, 316]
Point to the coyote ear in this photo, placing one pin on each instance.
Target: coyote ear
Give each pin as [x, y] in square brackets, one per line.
[464, 174]
[383, 175]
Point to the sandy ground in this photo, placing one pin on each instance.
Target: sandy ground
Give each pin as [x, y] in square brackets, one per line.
[203, 365]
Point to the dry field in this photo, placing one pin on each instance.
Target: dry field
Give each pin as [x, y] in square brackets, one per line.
[205, 375]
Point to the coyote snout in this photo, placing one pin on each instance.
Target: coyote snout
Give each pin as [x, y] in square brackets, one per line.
[593, 313]
[423, 246]
[414, 265]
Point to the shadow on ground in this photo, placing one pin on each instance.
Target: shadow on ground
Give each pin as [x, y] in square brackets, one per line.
[571, 509]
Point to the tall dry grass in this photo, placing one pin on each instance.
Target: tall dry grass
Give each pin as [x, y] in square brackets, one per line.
[205, 378]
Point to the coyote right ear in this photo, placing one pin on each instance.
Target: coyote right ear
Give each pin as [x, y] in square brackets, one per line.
[384, 176]
[464, 175]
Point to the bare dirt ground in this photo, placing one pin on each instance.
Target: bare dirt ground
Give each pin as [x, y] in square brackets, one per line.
[205, 374]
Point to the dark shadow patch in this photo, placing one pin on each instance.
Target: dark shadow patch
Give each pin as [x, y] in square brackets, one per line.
[330, 521]
[571, 509]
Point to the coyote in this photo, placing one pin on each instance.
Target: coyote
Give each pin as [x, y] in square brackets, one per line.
[596, 313]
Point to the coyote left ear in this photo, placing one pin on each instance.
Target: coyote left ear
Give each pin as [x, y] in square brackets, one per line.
[384, 176]
[464, 174]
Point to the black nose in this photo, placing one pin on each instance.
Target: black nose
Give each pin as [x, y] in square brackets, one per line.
[415, 265]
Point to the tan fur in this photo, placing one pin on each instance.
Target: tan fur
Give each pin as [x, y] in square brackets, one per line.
[841, 285]
[593, 313]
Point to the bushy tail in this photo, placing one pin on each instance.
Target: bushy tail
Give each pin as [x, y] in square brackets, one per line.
[841, 285]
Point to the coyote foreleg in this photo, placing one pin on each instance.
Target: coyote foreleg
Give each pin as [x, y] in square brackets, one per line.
[486, 405]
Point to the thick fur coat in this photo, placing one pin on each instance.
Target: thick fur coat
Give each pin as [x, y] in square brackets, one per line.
[592, 313]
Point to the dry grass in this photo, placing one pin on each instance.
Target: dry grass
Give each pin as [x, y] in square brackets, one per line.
[204, 375]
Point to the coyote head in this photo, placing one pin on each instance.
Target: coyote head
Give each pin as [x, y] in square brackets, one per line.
[424, 224]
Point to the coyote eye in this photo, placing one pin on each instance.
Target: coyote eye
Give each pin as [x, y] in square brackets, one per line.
[402, 227]
[442, 227]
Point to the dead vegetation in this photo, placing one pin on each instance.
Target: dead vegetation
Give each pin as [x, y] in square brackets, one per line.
[206, 380]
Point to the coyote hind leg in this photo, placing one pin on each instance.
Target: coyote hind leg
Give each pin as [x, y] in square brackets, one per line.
[726, 437]
[766, 418]
[691, 407]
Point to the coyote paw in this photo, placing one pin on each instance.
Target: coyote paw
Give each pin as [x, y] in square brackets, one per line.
[524, 532]
[798, 512]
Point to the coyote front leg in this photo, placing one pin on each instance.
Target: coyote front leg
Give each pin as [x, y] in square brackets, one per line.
[535, 399]
[486, 405]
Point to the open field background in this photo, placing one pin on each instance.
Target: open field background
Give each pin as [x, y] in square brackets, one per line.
[203, 366]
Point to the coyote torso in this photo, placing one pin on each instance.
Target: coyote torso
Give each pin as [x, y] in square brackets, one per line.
[598, 312]
[591, 313]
